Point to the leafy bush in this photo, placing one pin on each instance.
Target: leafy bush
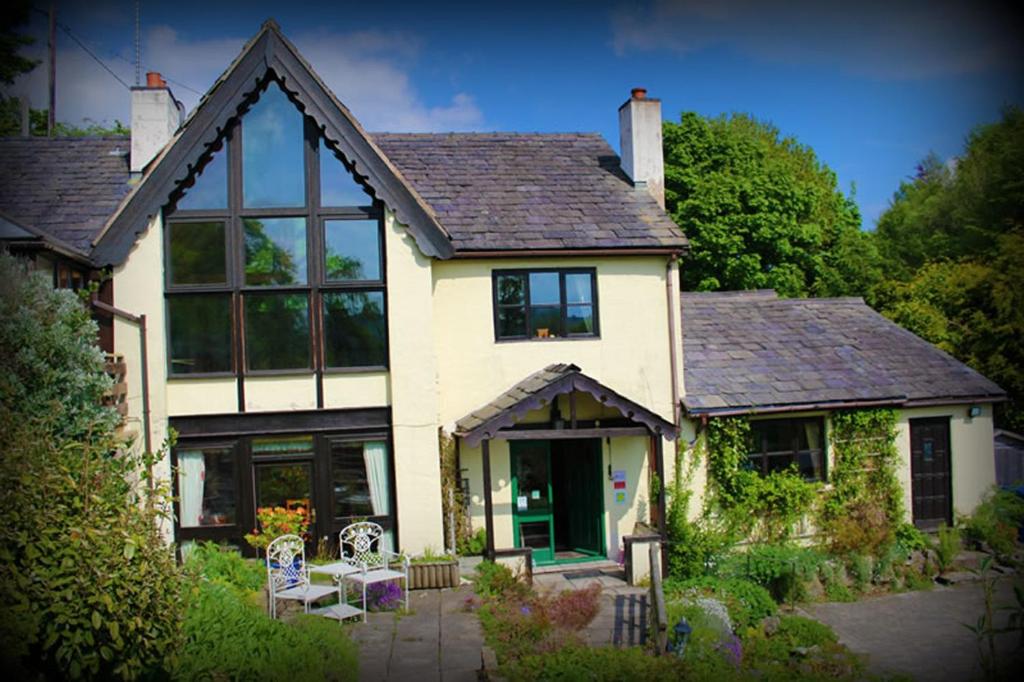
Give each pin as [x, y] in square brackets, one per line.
[598, 664]
[496, 580]
[228, 638]
[861, 568]
[473, 545]
[747, 602]
[275, 522]
[574, 609]
[910, 539]
[781, 568]
[804, 632]
[225, 565]
[948, 546]
[996, 521]
[88, 588]
[862, 527]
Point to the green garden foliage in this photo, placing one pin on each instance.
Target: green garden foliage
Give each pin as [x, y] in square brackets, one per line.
[780, 568]
[947, 546]
[225, 565]
[863, 508]
[758, 507]
[996, 521]
[227, 637]
[761, 210]
[747, 602]
[600, 664]
[88, 588]
[909, 538]
[492, 579]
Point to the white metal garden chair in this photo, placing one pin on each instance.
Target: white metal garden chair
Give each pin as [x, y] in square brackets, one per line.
[288, 575]
[360, 545]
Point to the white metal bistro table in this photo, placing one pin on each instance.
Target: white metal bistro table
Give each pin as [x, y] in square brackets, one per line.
[341, 610]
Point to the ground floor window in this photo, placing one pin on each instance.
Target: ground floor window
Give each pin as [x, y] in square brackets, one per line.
[340, 478]
[778, 444]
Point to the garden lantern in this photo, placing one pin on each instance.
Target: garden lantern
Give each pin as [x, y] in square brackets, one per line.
[680, 636]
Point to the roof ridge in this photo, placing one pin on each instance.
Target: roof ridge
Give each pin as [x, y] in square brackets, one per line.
[492, 133]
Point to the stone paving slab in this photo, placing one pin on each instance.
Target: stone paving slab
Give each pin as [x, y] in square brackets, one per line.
[439, 641]
[921, 634]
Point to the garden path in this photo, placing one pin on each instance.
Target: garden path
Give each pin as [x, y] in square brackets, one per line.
[439, 641]
[920, 634]
[622, 618]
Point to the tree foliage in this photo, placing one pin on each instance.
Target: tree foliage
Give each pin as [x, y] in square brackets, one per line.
[88, 588]
[953, 243]
[761, 210]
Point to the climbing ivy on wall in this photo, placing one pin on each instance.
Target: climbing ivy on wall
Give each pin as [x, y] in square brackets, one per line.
[762, 508]
[453, 503]
[864, 506]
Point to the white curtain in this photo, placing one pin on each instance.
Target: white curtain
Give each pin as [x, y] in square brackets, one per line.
[812, 429]
[375, 456]
[191, 481]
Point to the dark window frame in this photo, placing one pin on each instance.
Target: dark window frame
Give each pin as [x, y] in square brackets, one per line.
[316, 282]
[246, 464]
[760, 456]
[563, 305]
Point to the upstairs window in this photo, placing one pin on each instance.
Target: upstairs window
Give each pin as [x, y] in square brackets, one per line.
[545, 304]
[780, 444]
[274, 254]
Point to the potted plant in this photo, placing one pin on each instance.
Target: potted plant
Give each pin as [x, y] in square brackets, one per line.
[275, 522]
[432, 570]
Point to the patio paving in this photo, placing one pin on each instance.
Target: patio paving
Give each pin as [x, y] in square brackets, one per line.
[439, 641]
[921, 634]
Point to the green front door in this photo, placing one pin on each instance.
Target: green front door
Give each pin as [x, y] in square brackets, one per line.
[557, 506]
[533, 520]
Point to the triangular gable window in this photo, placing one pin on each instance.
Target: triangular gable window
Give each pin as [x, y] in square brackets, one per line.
[210, 190]
[272, 153]
[337, 186]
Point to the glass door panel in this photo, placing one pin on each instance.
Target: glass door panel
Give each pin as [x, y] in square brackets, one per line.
[285, 484]
[531, 498]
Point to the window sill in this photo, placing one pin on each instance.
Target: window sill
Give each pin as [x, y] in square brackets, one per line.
[369, 369]
[262, 373]
[555, 339]
[200, 375]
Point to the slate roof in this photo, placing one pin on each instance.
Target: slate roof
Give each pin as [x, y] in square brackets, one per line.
[753, 351]
[512, 191]
[63, 187]
[539, 389]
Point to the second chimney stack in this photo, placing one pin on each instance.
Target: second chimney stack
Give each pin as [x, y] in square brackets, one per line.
[156, 116]
[640, 142]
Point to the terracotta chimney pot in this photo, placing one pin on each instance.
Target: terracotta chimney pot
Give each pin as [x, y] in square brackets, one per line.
[638, 93]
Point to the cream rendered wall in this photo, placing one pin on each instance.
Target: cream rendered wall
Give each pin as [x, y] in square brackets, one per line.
[971, 452]
[631, 357]
[280, 393]
[201, 396]
[138, 289]
[362, 389]
[413, 390]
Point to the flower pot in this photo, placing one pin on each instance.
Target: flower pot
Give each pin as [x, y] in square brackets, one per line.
[434, 575]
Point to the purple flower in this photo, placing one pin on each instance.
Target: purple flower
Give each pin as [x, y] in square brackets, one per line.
[383, 596]
[733, 650]
[525, 610]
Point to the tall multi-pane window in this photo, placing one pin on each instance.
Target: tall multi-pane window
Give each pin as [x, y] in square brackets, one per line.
[782, 444]
[274, 254]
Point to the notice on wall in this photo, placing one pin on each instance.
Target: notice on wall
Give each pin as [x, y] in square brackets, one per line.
[522, 502]
[619, 485]
[535, 494]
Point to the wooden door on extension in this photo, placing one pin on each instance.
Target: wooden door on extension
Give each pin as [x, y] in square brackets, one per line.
[930, 469]
[582, 486]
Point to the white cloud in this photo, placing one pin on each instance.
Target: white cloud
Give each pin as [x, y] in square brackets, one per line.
[886, 40]
[368, 71]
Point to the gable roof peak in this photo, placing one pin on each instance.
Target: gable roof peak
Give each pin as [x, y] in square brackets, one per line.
[267, 55]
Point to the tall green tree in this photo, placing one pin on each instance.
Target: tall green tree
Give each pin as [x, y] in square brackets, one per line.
[953, 245]
[761, 210]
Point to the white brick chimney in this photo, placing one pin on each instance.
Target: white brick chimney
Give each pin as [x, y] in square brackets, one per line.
[640, 143]
[156, 116]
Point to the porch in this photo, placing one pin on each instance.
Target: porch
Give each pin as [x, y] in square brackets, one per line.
[564, 466]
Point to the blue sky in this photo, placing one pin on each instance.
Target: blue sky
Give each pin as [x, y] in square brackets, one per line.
[871, 86]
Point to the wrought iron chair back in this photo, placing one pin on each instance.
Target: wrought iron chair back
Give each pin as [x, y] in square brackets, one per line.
[286, 562]
[360, 543]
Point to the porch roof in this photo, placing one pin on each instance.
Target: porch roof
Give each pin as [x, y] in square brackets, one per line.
[539, 389]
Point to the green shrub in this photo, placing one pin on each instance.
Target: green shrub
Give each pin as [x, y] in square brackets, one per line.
[996, 521]
[226, 565]
[804, 632]
[861, 568]
[781, 568]
[948, 546]
[473, 545]
[228, 638]
[910, 539]
[88, 587]
[496, 580]
[598, 664]
[747, 602]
